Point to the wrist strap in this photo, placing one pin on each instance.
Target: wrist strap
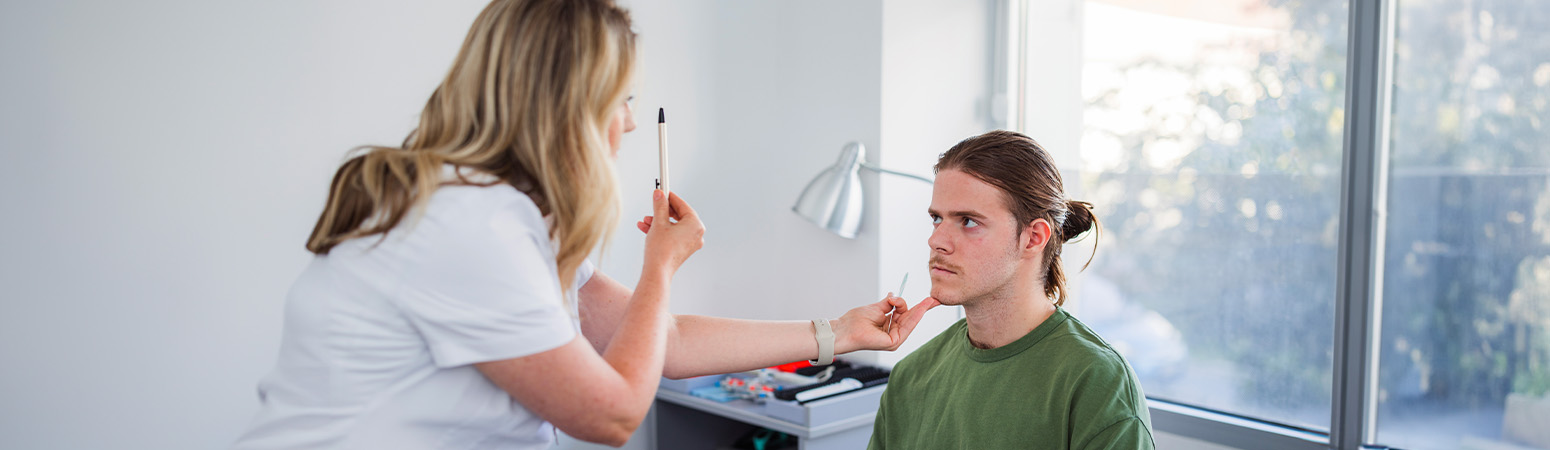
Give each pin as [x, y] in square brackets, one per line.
[825, 336]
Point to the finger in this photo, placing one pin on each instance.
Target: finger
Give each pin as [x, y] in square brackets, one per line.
[659, 204]
[908, 321]
[896, 306]
[680, 208]
[884, 306]
[647, 219]
[643, 226]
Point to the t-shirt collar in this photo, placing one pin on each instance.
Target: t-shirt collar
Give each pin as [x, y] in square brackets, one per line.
[1023, 343]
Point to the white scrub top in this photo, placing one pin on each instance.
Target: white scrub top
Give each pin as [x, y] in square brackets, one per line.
[380, 333]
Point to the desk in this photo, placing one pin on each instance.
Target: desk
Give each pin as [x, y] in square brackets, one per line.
[686, 422]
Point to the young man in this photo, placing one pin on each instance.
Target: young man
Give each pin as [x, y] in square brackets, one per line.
[1018, 372]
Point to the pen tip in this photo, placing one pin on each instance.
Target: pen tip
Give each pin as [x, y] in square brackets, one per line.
[661, 115]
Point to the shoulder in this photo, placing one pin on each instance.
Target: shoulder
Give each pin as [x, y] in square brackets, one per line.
[1083, 348]
[475, 231]
[477, 208]
[1095, 367]
[475, 213]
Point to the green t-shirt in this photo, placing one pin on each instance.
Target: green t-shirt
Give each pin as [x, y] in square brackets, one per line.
[1058, 387]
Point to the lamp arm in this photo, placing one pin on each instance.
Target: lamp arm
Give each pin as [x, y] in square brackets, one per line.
[895, 172]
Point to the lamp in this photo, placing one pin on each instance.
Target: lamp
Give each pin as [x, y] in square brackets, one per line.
[833, 200]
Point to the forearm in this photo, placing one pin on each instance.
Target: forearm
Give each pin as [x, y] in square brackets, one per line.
[638, 347]
[701, 345]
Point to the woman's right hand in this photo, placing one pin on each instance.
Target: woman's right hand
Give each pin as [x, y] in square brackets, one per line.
[673, 232]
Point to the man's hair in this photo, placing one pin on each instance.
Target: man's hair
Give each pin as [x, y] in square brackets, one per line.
[1030, 185]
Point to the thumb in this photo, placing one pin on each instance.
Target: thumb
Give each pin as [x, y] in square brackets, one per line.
[892, 307]
[659, 207]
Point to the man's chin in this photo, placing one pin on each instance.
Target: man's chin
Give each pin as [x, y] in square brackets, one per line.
[948, 298]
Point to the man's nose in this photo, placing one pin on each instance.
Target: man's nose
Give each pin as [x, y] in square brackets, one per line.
[939, 241]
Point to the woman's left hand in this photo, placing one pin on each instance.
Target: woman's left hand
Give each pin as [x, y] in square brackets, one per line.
[866, 327]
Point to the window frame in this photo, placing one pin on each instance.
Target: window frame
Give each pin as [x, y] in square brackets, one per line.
[1358, 281]
[1363, 192]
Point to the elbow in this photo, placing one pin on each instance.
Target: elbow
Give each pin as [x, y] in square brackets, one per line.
[616, 441]
[612, 434]
[606, 424]
[612, 439]
[619, 432]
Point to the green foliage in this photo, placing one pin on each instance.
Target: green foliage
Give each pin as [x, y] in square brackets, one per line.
[1532, 383]
[1235, 242]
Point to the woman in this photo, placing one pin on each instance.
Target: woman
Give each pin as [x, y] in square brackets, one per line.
[450, 304]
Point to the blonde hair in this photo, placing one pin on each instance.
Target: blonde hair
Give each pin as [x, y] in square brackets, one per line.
[529, 100]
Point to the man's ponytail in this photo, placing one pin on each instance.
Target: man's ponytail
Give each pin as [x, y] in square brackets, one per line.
[1079, 219]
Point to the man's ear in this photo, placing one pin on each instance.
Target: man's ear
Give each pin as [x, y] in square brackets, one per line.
[1035, 236]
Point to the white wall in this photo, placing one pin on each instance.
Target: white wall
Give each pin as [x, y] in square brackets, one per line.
[937, 59]
[164, 160]
[162, 163]
[760, 98]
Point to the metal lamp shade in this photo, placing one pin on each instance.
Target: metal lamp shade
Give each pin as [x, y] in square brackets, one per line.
[833, 200]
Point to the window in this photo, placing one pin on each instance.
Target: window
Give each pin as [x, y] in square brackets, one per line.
[1212, 149]
[1222, 141]
[1464, 358]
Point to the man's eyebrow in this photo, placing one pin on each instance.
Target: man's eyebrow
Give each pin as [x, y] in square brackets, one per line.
[970, 214]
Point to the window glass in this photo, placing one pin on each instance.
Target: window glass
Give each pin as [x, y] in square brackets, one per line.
[1464, 353]
[1211, 143]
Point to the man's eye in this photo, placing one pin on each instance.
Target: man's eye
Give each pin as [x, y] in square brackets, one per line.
[936, 220]
[970, 223]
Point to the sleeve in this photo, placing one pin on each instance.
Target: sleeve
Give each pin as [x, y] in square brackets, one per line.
[1128, 434]
[585, 272]
[879, 431]
[485, 291]
[880, 425]
[1108, 401]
